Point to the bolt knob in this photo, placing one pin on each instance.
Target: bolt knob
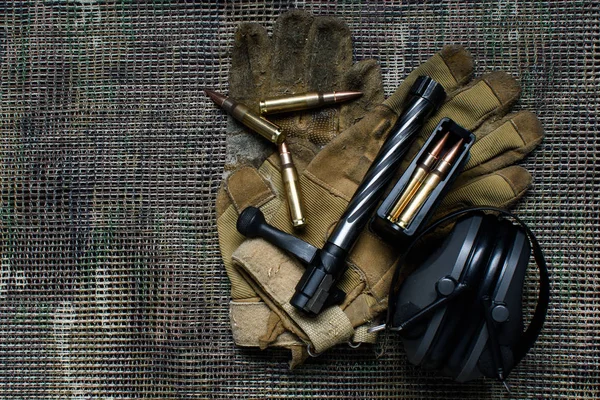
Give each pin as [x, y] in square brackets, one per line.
[250, 222]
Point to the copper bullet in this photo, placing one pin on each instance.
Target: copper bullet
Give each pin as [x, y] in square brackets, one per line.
[424, 166]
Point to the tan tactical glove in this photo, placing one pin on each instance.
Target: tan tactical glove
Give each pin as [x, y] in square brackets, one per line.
[329, 181]
[305, 53]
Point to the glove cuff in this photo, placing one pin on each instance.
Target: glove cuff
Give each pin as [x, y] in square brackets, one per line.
[277, 281]
[250, 323]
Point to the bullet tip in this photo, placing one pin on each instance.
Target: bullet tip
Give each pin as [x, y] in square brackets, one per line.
[439, 146]
[346, 96]
[219, 99]
[453, 152]
[283, 147]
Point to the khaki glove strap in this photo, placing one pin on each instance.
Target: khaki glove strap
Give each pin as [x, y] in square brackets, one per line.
[250, 322]
[276, 274]
[361, 334]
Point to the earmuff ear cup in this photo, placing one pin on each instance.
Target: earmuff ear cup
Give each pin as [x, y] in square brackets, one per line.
[448, 335]
[509, 290]
[458, 318]
[462, 362]
[473, 281]
[418, 290]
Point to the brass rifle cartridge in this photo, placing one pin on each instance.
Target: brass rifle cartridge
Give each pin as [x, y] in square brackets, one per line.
[264, 127]
[289, 175]
[433, 179]
[417, 178]
[304, 101]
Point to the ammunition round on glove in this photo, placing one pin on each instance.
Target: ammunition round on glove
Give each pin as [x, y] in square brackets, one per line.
[304, 101]
[240, 112]
[289, 175]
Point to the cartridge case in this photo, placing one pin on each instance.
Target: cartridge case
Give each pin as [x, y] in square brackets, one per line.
[240, 112]
[418, 199]
[266, 128]
[412, 187]
[417, 178]
[304, 101]
[433, 179]
[289, 175]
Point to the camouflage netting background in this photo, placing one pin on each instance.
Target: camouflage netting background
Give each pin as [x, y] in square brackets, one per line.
[111, 282]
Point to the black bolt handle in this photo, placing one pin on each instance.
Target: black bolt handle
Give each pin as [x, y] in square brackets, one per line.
[251, 223]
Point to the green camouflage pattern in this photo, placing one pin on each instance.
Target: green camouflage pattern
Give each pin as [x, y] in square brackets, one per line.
[111, 280]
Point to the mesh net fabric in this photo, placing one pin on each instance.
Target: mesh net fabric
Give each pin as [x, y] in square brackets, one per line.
[111, 282]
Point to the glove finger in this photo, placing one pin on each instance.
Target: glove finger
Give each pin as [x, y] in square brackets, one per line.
[250, 62]
[452, 67]
[311, 54]
[290, 35]
[328, 54]
[502, 189]
[502, 143]
[485, 98]
[489, 96]
[365, 77]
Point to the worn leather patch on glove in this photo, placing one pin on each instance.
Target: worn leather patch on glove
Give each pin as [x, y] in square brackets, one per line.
[246, 187]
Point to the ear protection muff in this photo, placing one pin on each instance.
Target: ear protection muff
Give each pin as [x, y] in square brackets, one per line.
[458, 323]
[460, 311]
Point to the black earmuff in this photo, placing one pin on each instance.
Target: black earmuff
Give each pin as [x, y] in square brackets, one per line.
[460, 311]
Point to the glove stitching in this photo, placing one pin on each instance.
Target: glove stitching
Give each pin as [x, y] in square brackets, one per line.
[287, 322]
[490, 115]
[302, 144]
[390, 270]
[368, 288]
[324, 185]
[388, 107]
[512, 122]
[526, 146]
[257, 202]
[517, 197]
[513, 188]
[363, 278]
